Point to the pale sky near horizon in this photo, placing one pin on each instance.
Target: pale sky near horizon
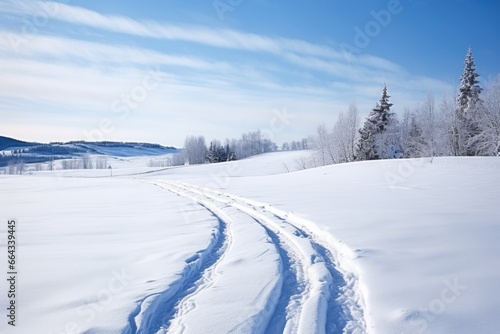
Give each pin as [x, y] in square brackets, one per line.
[157, 71]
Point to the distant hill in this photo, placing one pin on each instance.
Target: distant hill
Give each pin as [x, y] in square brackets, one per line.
[6, 142]
[15, 150]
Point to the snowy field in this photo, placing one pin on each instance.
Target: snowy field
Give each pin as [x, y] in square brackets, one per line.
[256, 246]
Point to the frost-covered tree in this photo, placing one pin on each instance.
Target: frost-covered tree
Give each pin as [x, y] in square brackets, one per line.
[323, 145]
[252, 143]
[50, 164]
[21, 167]
[449, 121]
[345, 134]
[86, 162]
[101, 163]
[488, 141]
[305, 144]
[11, 167]
[379, 138]
[424, 130]
[179, 158]
[338, 144]
[413, 141]
[388, 143]
[295, 145]
[195, 149]
[429, 127]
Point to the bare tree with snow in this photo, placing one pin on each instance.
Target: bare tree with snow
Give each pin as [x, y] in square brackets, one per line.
[425, 130]
[195, 149]
[179, 159]
[323, 146]
[488, 141]
[345, 134]
[86, 162]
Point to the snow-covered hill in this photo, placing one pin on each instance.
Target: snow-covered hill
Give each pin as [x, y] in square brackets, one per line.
[259, 246]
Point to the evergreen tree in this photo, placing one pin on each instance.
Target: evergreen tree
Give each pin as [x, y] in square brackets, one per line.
[468, 98]
[213, 153]
[219, 153]
[229, 154]
[379, 136]
[365, 149]
[469, 105]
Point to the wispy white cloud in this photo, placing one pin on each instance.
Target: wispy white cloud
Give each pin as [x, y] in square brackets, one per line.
[61, 47]
[222, 38]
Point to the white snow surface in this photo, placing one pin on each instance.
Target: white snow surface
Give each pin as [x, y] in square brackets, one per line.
[256, 246]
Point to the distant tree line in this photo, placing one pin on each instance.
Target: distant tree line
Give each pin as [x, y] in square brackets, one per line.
[196, 150]
[19, 166]
[85, 162]
[466, 126]
[6, 160]
[295, 145]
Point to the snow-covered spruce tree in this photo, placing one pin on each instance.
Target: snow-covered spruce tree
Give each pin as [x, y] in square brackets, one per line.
[365, 149]
[469, 108]
[221, 152]
[468, 98]
[379, 138]
[218, 153]
[212, 154]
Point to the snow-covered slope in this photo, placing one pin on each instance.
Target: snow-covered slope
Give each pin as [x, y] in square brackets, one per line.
[424, 235]
[90, 250]
[406, 246]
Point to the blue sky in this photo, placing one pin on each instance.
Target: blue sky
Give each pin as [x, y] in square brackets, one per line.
[160, 70]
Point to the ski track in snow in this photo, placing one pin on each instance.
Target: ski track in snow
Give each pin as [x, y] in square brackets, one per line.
[154, 310]
[314, 294]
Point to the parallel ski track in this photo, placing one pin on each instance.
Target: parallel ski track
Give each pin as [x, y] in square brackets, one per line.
[155, 311]
[317, 297]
